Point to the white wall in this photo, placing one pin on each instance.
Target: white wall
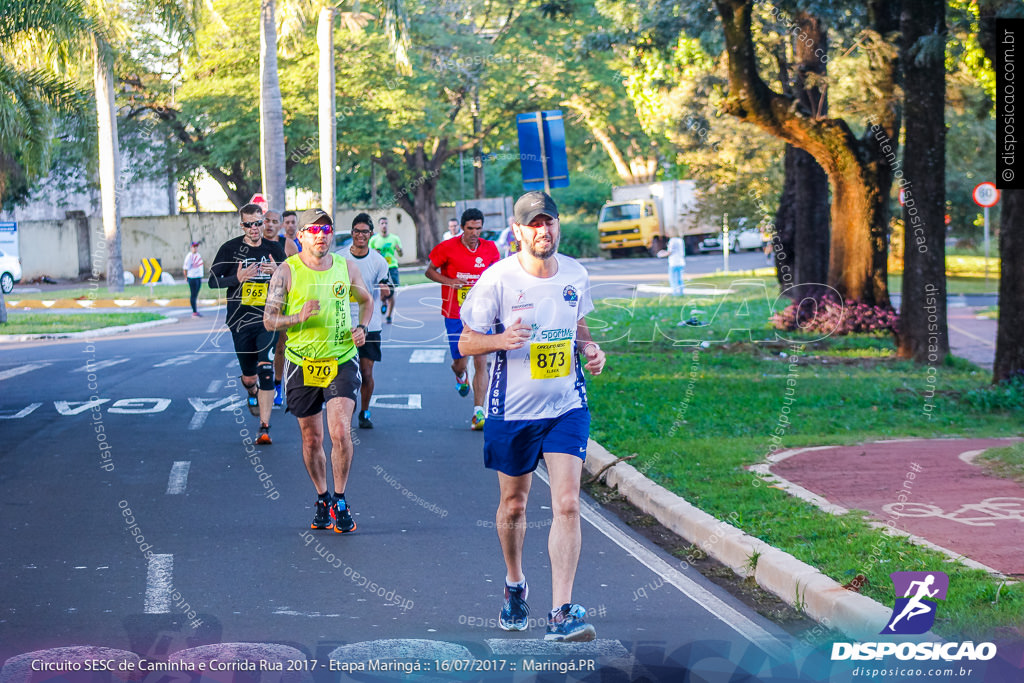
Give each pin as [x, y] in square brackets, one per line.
[50, 247]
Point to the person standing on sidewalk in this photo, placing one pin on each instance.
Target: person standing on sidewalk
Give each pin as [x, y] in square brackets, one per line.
[390, 247]
[457, 264]
[374, 270]
[244, 266]
[194, 272]
[309, 295]
[676, 253]
[529, 311]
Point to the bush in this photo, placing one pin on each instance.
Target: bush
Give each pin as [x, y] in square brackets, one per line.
[828, 314]
[579, 237]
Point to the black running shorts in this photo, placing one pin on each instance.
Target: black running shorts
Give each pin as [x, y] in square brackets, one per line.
[371, 349]
[254, 344]
[305, 401]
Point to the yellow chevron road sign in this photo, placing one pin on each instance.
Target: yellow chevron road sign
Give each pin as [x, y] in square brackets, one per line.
[150, 271]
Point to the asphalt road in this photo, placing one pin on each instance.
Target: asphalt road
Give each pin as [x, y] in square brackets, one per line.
[113, 447]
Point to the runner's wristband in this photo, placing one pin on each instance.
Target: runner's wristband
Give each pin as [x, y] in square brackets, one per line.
[589, 343]
[365, 328]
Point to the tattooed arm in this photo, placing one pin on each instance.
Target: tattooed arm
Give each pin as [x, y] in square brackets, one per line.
[280, 285]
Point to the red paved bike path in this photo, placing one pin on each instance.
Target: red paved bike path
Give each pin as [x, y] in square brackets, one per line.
[968, 511]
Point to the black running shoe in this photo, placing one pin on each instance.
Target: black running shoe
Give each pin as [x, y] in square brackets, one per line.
[322, 519]
[343, 522]
[364, 420]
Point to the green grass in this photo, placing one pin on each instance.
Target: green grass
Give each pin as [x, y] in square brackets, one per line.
[700, 404]
[954, 285]
[1005, 462]
[42, 323]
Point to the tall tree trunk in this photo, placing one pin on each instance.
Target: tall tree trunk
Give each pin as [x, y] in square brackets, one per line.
[272, 162]
[1010, 335]
[109, 160]
[1009, 360]
[413, 182]
[859, 214]
[923, 332]
[811, 229]
[326, 95]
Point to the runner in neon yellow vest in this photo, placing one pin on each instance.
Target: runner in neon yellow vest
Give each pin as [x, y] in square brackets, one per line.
[309, 295]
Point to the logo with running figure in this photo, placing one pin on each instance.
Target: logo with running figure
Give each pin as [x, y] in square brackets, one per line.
[339, 290]
[570, 295]
[916, 592]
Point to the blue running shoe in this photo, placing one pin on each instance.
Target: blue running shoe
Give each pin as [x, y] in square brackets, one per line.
[278, 395]
[566, 624]
[254, 406]
[462, 384]
[515, 614]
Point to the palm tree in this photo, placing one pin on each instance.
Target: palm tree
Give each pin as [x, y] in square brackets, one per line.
[34, 93]
[177, 18]
[33, 99]
[272, 166]
[296, 14]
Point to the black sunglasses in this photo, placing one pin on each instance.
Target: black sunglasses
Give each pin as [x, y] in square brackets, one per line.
[253, 224]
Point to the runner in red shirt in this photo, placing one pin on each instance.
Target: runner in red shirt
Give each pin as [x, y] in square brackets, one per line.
[457, 264]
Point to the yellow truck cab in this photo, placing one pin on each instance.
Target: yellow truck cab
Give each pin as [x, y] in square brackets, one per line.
[629, 226]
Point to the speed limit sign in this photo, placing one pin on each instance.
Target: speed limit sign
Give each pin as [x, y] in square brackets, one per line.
[986, 195]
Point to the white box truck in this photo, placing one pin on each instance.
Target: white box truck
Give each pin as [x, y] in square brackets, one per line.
[644, 217]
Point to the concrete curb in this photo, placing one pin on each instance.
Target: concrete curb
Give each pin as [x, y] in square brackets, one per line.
[796, 582]
[88, 334]
[90, 304]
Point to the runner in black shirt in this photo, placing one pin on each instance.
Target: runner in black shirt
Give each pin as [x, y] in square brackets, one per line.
[244, 265]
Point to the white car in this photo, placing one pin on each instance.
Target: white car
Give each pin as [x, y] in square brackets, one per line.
[742, 239]
[10, 271]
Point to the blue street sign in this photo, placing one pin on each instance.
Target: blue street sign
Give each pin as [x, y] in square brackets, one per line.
[542, 150]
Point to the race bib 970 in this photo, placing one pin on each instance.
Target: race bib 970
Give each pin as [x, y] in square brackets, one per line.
[319, 372]
[549, 360]
[254, 293]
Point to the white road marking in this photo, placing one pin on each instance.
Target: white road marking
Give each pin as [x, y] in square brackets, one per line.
[233, 363]
[103, 364]
[215, 384]
[427, 356]
[397, 401]
[159, 582]
[27, 410]
[21, 370]
[178, 360]
[64, 407]
[687, 586]
[179, 477]
[203, 409]
[138, 406]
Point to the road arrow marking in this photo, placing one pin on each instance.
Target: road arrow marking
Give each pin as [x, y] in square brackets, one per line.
[103, 364]
[21, 370]
[27, 410]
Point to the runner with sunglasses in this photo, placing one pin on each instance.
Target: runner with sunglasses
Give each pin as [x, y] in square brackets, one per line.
[244, 266]
[310, 296]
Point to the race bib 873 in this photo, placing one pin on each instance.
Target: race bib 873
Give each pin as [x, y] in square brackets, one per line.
[549, 360]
